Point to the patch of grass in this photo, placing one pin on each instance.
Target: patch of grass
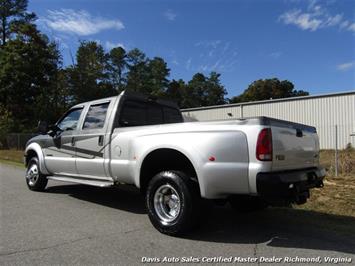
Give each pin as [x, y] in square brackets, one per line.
[21, 165]
[12, 155]
[338, 194]
[336, 197]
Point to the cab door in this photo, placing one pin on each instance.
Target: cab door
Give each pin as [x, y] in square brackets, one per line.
[91, 141]
[60, 151]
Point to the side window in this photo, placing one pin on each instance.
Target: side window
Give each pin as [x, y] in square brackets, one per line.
[133, 114]
[172, 115]
[70, 120]
[96, 116]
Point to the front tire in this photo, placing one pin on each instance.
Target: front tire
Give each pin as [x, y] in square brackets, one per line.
[35, 180]
[173, 202]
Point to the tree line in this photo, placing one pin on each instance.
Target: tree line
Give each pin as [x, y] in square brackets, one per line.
[35, 85]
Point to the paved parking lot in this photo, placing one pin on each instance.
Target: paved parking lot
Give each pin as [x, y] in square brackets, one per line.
[75, 224]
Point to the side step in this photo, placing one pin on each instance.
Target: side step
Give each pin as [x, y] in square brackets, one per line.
[90, 182]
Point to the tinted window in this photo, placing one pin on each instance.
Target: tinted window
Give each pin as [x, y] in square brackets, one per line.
[154, 114]
[96, 116]
[133, 114]
[172, 115]
[136, 113]
[70, 120]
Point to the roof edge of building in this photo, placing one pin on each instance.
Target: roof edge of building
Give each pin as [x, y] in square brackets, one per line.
[270, 101]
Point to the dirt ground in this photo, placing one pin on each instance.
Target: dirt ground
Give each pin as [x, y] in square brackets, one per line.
[338, 194]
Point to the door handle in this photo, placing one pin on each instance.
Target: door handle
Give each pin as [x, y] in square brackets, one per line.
[73, 141]
[101, 140]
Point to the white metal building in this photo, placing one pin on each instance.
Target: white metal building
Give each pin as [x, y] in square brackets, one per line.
[332, 114]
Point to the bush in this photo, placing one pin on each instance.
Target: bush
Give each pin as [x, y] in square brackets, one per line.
[6, 124]
[346, 161]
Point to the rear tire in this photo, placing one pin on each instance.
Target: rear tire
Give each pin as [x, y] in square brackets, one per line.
[35, 180]
[173, 202]
[244, 203]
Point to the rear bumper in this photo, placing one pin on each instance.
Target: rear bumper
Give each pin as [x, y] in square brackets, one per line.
[279, 188]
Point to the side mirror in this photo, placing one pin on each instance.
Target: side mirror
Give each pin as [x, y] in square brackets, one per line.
[53, 129]
[42, 127]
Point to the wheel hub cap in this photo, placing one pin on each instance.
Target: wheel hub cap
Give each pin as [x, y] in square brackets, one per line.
[32, 174]
[167, 203]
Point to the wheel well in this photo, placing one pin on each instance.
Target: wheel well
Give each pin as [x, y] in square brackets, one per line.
[164, 159]
[30, 154]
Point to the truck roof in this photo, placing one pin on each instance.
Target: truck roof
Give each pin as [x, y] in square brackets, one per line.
[132, 95]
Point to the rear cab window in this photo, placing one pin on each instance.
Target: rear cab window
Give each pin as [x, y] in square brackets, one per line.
[172, 115]
[142, 113]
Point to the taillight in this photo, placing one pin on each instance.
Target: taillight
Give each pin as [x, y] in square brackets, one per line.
[264, 145]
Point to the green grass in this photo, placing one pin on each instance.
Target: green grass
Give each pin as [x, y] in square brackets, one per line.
[21, 165]
[12, 157]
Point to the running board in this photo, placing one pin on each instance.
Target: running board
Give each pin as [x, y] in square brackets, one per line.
[96, 183]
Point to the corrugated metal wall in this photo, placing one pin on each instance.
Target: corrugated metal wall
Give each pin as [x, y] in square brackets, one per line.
[324, 112]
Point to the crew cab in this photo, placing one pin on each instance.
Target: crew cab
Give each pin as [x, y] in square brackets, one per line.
[143, 141]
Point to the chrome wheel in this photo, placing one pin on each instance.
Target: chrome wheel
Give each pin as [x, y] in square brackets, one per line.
[32, 174]
[167, 203]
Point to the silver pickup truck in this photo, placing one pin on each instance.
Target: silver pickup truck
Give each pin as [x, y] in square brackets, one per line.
[139, 140]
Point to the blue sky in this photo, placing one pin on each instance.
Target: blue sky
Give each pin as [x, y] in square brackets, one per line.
[309, 42]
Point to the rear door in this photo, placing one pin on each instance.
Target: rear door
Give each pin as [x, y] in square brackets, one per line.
[91, 141]
[294, 147]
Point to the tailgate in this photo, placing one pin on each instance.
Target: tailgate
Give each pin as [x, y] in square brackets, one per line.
[295, 146]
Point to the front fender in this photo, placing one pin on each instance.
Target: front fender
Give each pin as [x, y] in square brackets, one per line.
[38, 150]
